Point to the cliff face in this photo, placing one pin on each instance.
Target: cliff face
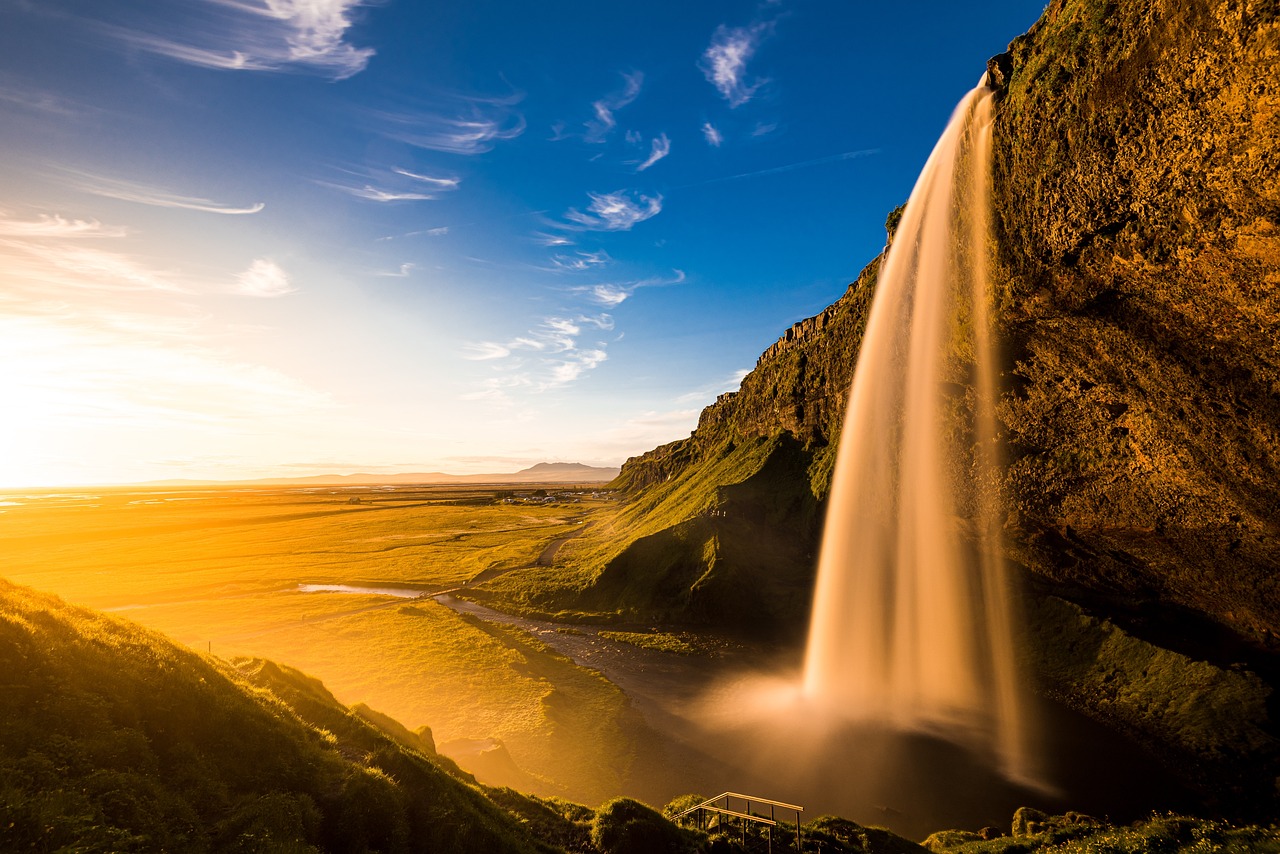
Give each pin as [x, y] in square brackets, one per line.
[1137, 286]
[1137, 196]
[800, 386]
[1138, 176]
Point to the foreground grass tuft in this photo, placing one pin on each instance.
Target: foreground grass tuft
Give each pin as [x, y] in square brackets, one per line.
[1074, 833]
[114, 739]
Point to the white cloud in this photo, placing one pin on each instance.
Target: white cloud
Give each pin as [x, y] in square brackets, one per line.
[599, 127]
[377, 194]
[128, 191]
[764, 128]
[264, 278]
[711, 135]
[645, 430]
[439, 183]
[661, 148]
[569, 369]
[616, 211]
[261, 35]
[108, 357]
[611, 294]
[551, 239]
[45, 258]
[725, 61]
[485, 350]
[708, 393]
[549, 356]
[791, 167]
[461, 135]
[439, 231]
[47, 225]
[403, 272]
[394, 185]
[57, 265]
[581, 261]
[24, 96]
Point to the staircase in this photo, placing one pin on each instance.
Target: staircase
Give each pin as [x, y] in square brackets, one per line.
[745, 818]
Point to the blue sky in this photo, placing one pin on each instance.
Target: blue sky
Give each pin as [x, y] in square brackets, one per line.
[247, 238]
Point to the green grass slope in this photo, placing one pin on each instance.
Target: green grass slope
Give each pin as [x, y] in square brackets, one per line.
[716, 546]
[114, 739]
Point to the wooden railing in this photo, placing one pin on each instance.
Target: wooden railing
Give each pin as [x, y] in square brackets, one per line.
[719, 812]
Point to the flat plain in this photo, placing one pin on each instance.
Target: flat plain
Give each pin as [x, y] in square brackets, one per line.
[222, 570]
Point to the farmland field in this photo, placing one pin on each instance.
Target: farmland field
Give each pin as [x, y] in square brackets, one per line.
[222, 570]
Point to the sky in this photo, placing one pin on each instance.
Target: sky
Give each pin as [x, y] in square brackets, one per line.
[262, 238]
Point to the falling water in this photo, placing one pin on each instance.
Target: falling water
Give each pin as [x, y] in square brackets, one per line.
[912, 623]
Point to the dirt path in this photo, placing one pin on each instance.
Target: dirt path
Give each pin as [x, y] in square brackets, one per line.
[545, 558]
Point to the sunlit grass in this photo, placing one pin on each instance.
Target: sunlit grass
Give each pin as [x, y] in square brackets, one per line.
[661, 641]
[109, 551]
[222, 573]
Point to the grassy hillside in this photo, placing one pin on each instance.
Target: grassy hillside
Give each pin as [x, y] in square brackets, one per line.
[675, 551]
[114, 739]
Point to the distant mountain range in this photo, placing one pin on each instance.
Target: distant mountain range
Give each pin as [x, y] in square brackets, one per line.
[540, 473]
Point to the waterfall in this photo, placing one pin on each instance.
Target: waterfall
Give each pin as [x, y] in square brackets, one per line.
[913, 624]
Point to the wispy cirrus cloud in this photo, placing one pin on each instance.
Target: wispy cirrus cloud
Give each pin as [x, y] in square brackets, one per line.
[580, 261]
[724, 62]
[23, 95]
[403, 273]
[604, 121]
[707, 393]
[439, 182]
[370, 193]
[256, 35]
[453, 124]
[107, 355]
[393, 185]
[265, 279]
[711, 135]
[63, 267]
[46, 259]
[613, 294]
[473, 135]
[483, 351]
[549, 356]
[790, 167]
[54, 225]
[130, 191]
[647, 429]
[660, 148]
[616, 211]
[551, 239]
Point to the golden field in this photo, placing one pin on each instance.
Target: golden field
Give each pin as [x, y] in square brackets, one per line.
[220, 569]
